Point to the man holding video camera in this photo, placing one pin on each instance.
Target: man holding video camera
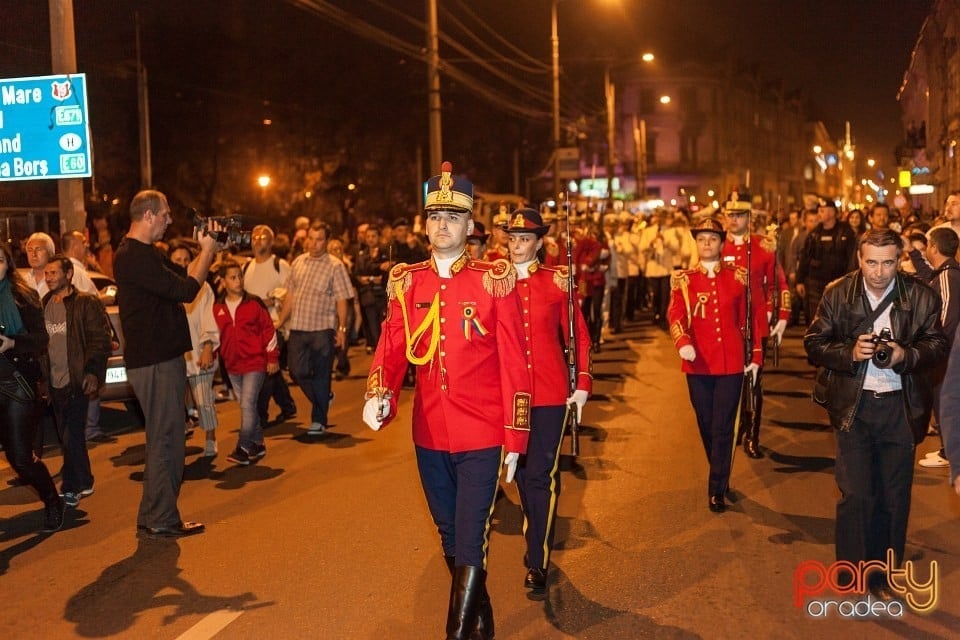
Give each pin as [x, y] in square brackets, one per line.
[151, 293]
[875, 336]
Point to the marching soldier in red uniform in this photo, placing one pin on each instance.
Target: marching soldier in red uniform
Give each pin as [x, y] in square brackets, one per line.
[500, 249]
[460, 321]
[707, 314]
[544, 295]
[553, 253]
[769, 291]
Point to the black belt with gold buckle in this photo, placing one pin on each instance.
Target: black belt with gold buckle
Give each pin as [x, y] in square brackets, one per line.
[885, 394]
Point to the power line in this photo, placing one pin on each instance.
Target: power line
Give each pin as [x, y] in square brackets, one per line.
[350, 23]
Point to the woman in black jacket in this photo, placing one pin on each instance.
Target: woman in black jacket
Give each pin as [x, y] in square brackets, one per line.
[23, 341]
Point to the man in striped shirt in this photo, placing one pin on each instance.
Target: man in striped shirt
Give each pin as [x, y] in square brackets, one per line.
[316, 305]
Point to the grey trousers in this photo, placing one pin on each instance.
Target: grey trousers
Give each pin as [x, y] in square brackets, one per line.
[160, 390]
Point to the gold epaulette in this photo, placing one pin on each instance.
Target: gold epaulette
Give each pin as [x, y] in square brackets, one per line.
[560, 273]
[740, 274]
[679, 279]
[768, 243]
[400, 277]
[499, 276]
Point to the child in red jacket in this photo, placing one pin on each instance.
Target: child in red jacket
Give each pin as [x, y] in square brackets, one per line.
[248, 345]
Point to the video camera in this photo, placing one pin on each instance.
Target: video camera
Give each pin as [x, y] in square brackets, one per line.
[884, 352]
[231, 235]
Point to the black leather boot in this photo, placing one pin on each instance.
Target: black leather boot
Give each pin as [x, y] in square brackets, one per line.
[751, 442]
[465, 594]
[484, 630]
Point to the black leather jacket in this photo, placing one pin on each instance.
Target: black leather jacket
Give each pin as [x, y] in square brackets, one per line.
[915, 321]
[88, 338]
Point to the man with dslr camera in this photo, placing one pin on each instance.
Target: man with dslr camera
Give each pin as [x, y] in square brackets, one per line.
[879, 406]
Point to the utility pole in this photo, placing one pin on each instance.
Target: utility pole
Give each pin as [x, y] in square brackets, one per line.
[63, 50]
[555, 59]
[433, 88]
[143, 117]
[609, 94]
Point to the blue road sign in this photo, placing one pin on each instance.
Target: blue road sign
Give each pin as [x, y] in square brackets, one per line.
[44, 131]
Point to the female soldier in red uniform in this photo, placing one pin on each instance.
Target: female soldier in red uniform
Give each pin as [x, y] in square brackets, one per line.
[543, 295]
[708, 313]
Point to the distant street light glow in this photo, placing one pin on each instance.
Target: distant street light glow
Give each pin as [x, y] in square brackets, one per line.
[263, 181]
[664, 99]
[647, 57]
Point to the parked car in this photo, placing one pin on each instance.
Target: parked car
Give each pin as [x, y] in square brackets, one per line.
[116, 387]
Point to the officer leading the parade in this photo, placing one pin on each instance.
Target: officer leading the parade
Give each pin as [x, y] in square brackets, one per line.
[460, 322]
[544, 295]
[708, 315]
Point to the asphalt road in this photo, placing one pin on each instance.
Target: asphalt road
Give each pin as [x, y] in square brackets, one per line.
[330, 537]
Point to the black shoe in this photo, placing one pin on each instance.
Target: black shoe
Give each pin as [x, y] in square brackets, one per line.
[285, 416]
[536, 580]
[16, 481]
[257, 451]
[53, 512]
[717, 505]
[884, 593]
[752, 448]
[101, 437]
[240, 457]
[177, 531]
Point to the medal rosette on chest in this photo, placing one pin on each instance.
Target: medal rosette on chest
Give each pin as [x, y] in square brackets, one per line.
[700, 308]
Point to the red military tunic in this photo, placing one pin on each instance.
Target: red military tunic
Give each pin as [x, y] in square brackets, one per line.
[589, 261]
[765, 277]
[497, 253]
[554, 253]
[543, 297]
[465, 333]
[709, 313]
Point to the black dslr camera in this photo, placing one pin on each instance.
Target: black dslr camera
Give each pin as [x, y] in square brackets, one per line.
[232, 235]
[884, 352]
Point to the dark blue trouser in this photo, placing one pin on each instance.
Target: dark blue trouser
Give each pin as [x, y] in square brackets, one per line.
[875, 476]
[310, 355]
[70, 412]
[460, 490]
[538, 481]
[715, 400]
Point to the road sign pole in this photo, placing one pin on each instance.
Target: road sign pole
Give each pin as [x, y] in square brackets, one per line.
[63, 49]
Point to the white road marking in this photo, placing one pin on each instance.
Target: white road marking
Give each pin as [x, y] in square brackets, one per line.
[210, 625]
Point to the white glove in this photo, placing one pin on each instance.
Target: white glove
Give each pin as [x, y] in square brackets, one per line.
[510, 462]
[778, 329]
[374, 410]
[753, 369]
[578, 398]
[688, 353]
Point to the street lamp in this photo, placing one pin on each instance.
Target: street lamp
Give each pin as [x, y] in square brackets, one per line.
[555, 59]
[609, 92]
[264, 181]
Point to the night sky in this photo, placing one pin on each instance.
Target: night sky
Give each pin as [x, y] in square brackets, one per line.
[847, 57]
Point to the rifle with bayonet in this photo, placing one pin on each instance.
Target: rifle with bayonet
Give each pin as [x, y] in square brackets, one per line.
[570, 420]
[747, 399]
[775, 231]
